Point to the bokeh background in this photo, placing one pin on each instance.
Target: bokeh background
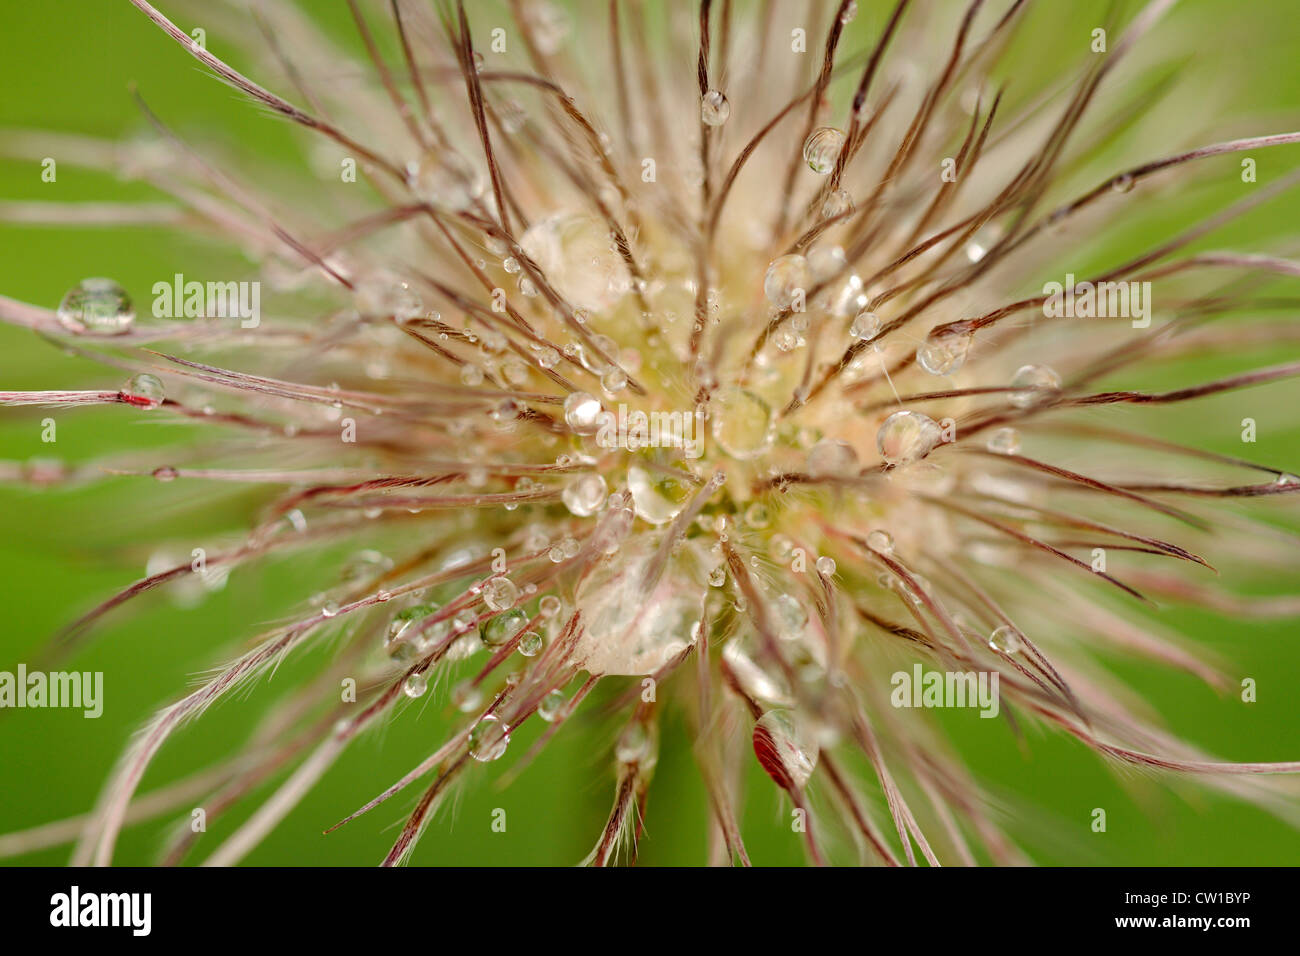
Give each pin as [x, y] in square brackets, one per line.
[67, 66]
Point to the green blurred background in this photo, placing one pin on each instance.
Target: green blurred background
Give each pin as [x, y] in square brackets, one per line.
[66, 66]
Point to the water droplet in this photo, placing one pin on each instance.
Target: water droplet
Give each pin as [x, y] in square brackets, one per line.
[714, 108]
[907, 436]
[784, 748]
[635, 745]
[549, 606]
[1005, 640]
[500, 593]
[753, 679]
[832, 458]
[576, 256]
[881, 541]
[785, 277]
[471, 374]
[657, 495]
[1004, 441]
[837, 203]
[148, 388]
[614, 380]
[498, 630]
[632, 629]
[943, 355]
[550, 705]
[548, 26]
[444, 178]
[718, 576]
[385, 295]
[741, 423]
[850, 12]
[582, 412]
[530, 644]
[866, 325]
[165, 473]
[788, 617]
[407, 616]
[466, 696]
[415, 686]
[822, 148]
[364, 564]
[489, 739]
[826, 565]
[982, 241]
[329, 608]
[1039, 383]
[1286, 479]
[585, 494]
[1122, 183]
[97, 306]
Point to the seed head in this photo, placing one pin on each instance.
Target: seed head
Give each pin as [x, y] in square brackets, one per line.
[730, 370]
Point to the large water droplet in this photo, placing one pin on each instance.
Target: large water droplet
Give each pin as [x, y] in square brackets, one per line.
[831, 458]
[97, 306]
[881, 541]
[1005, 640]
[415, 686]
[632, 628]
[578, 258]
[489, 739]
[866, 325]
[443, 178]
[530, 644]
[837, 203]
[582, 412]
[786, 276]
[784, 748]
[822, 148]
[788, 616]
[636, 744]
[1039, 383]
[907, 436]
[1004, 441]
[406, 617]
[714, 108]
[497, 631]
[741, 423]
[385, 295]
[755, 682]
[146, 389]
[500, 593]
[585, 494]
[657, 495]
[943, 355]
[550, 705]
